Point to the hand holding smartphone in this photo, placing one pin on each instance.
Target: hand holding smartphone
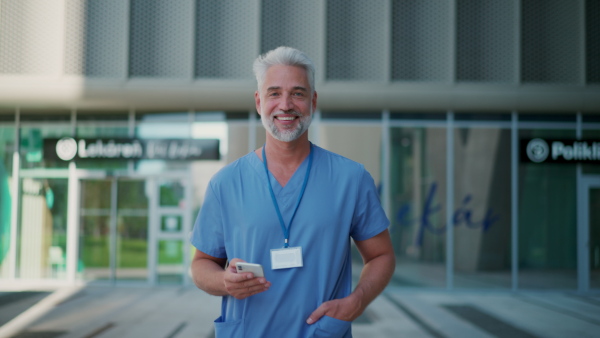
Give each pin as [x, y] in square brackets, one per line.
[256, 269]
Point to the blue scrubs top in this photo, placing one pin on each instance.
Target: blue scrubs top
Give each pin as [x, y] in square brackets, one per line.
[238, 220]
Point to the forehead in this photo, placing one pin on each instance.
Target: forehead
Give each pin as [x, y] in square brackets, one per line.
[286, 76]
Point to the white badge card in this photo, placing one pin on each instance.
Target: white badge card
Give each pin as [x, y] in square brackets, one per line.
[286, 258]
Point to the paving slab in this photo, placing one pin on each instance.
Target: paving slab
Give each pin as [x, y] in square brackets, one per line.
[186, 312]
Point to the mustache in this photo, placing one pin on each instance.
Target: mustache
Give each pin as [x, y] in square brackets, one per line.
[291, 112]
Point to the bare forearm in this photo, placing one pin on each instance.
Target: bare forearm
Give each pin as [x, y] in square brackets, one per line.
[374, 277]
[208, 276]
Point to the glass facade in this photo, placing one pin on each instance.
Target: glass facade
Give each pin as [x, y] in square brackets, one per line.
[37, 126]
[465, 81]
[594, 236]
[171, 267]
[43, 244]
[418, 200]
[547, 220]
[482, 210]
[93, 124]
[438, 173]
[41, 230]
[95, 230]
[7, 147]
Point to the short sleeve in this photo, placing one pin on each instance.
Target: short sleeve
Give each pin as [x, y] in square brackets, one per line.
[207, 235]
[369, 218]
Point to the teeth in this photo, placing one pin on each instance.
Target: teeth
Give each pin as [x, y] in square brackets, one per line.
[285, 118]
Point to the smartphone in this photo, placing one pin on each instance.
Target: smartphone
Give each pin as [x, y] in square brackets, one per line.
[256, 269]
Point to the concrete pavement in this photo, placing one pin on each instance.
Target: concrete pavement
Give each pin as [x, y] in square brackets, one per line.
[181, 312]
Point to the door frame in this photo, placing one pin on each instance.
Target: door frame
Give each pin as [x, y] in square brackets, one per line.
[153, 211]
[585, 183]
[155, 233]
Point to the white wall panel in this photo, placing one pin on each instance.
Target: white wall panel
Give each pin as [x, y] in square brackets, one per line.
[31, 37]
[96, 38]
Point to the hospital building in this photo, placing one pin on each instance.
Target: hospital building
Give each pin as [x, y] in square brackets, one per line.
[479, 121]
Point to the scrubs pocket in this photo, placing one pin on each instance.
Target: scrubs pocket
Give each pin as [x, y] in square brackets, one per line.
[330, 327]
[228, 329]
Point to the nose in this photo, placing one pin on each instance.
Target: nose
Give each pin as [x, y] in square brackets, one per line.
[285, 103]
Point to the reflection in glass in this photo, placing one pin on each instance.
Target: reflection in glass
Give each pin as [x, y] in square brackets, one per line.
[418, 199]
[7, 134]
[594, 238]
[170, 269]
[94, 246]
[131, 194]
[132, 248]
[366, 149]
[94, 230]
[547, 220]
[171, 194]
[42, 232]
[132, 231]
[482, 214]
[114, 234]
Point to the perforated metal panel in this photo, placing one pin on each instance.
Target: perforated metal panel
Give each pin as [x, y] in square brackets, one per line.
[96, 38]
[282, 24]
[31, 37]
[226, 38]
[421, 40]
[486, 49]
[550, 41]
[592, 34]
[356, 40]
[161, 38]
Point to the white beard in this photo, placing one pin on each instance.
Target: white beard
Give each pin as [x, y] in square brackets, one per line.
[286, 135]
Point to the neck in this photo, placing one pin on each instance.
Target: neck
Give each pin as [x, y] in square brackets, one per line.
[286, 152]
[283, 158]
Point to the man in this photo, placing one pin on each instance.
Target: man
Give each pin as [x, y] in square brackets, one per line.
[291, 207]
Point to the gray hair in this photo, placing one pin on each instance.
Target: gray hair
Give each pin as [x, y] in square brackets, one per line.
[284, 56]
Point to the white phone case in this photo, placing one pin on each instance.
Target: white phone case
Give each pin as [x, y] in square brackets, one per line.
[256, 269]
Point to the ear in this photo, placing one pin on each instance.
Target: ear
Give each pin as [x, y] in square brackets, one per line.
[257, 101]
[314, 101]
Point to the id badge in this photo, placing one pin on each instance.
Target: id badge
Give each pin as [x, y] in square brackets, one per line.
[286, 258]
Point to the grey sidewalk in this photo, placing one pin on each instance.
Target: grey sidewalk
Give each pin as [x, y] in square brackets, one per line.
[163, 312]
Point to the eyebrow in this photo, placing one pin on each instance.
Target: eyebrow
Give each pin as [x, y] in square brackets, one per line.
[294, 88]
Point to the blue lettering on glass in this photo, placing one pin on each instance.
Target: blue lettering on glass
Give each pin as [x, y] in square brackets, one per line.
[462, 215]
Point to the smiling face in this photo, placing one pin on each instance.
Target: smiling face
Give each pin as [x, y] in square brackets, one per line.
[286, 102]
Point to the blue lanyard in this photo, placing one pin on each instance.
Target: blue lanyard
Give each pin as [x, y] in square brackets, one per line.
[286, 230]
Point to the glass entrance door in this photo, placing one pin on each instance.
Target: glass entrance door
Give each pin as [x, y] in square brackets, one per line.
[132, 231]
[113, 230]
[170, 226]
[588, 205]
